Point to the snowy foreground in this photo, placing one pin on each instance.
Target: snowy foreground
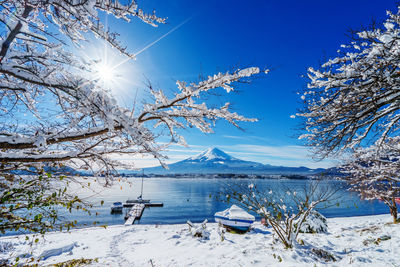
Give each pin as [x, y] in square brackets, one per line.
[359, 241]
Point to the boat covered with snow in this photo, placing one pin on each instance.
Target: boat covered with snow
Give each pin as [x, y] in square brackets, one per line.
[235, 218]
[117, 207]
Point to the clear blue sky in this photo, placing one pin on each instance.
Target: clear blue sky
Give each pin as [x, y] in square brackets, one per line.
[285, 36]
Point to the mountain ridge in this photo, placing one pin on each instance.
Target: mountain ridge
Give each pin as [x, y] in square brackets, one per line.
[216, 161]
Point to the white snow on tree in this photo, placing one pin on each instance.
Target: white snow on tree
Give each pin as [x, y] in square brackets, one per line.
[72, 116]
[355, 95]
[53, 111]
[315, 222]
[373, 172]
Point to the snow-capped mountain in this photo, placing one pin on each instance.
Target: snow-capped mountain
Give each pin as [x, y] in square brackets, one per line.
[214, 160]
[211, 154]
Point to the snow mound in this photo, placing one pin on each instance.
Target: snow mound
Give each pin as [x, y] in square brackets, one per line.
[57, 251]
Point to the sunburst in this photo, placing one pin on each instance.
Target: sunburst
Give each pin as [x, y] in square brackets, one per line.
[113, 71]
[106, 74]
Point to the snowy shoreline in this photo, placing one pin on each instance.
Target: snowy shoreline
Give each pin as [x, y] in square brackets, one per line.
[352, 240]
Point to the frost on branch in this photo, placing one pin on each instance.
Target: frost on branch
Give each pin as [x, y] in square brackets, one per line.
[355, 96]
[373, 172]
[52, 112]
[72, 117]
[315, 222]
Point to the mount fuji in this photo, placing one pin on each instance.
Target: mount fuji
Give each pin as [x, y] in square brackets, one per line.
[216, 161]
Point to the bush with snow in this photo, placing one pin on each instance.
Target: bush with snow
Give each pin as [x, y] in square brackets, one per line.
[315, 222]
[285, 211]
[5, 247]
[323, 254]
[200, 231]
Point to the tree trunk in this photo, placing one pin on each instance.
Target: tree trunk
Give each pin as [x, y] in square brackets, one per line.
[393, 210]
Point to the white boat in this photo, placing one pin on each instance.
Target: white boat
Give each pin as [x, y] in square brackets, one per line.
[117, 207]
[235, 217]
[139, 199]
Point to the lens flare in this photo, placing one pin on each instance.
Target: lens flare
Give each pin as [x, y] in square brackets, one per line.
[105, 73]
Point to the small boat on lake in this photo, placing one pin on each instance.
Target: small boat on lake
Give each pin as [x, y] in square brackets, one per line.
[139, 200]
[117, 207]
[235, 218]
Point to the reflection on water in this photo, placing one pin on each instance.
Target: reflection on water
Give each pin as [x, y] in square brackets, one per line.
[195, 200]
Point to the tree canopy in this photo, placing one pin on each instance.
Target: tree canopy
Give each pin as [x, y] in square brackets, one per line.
[373, 172]
[355, 97]
[72, 116]
[53, 112]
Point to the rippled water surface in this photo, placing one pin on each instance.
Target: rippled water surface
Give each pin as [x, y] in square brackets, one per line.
[195, 200]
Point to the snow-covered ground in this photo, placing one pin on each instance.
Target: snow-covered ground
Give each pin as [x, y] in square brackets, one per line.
[352, 241]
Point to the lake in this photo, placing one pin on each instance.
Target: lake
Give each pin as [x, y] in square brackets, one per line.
[195, 200]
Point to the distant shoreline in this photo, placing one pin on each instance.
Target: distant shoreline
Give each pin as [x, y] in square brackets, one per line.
[234, 175]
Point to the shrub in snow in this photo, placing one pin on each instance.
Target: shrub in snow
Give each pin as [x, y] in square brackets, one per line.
[323, 254]
[5, 247]
[200, 231]
[285, 211]
[221, 232]
[368, 241]
[315, 222]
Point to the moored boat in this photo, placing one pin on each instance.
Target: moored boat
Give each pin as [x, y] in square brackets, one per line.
[140, 199]
[117, 207]
[235, 218]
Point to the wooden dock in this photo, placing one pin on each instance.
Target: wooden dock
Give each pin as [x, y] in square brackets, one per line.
[154, 204]
[146, 204]
[136, 208]
[135, 213]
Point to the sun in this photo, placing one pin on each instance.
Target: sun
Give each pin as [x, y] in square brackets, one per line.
[105, 74]
[109, 71]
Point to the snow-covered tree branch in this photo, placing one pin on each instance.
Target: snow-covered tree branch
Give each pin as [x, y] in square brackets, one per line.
[72, 115]
[355, 96]
[373, 172]
[54, 110]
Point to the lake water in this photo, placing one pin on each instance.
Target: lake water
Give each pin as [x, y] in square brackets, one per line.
[195, 200]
